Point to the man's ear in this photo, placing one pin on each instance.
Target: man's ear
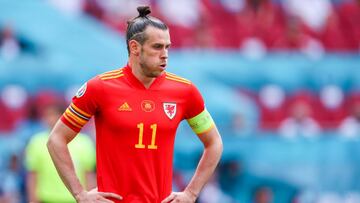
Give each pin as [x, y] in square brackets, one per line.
[134, 47]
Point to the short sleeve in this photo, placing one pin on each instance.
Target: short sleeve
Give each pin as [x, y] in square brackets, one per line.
[83, 106]
[195, 103]
[197, 116]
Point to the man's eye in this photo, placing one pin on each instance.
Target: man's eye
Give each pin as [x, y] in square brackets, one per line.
[157, 46]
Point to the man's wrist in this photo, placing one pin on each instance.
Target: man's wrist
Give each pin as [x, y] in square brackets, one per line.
[191, 194]
[78, 196]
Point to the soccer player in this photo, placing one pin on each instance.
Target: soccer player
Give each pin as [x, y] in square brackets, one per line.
[137, 110]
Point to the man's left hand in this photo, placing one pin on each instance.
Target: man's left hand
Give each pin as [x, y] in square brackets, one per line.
[180, 197]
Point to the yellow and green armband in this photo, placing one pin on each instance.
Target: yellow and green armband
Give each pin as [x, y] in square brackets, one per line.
[201, 123]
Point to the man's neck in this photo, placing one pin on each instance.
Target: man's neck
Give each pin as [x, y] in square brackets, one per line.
[138, 73]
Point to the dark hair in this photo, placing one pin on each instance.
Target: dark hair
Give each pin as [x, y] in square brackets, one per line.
[136, 27]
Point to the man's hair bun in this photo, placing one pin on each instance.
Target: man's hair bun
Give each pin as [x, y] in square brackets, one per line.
[136, 27]
[143, 11]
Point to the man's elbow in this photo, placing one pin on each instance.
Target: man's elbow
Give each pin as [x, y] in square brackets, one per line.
[215, 144]
[54, 142]
[50, 143]
[220, 146]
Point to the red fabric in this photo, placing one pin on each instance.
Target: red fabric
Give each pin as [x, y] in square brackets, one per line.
[222, 25]
[7, 122]
[265, 21]
[349, 17]
[93, 8]
[270, 119]
[181, 36]
[333, 36]
[138, 174]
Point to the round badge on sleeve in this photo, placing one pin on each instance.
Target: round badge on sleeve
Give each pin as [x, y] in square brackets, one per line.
[81, 91]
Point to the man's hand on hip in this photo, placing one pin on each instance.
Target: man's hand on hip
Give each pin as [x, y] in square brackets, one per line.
[180, 197]
[93, 196]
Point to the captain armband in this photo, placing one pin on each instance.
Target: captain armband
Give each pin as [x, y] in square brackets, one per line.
[201, 123]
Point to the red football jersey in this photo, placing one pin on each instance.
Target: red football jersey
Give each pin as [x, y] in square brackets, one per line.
[135, 130]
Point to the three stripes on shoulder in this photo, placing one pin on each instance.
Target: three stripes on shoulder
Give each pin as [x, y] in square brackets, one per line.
[171, 76]
[112, 74]
[119, 73]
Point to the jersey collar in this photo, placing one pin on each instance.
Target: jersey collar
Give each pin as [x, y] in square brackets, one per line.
[136, 83]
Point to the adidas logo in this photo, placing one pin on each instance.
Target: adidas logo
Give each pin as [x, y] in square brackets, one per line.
[125, 107]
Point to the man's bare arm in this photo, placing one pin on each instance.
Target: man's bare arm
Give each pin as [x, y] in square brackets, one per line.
[212, 152]
[31, 182]
[210, 158]
[60, 136]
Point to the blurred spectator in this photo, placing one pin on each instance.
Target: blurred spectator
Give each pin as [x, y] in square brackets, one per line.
[29, 123]
[43, 182]
[300, 121]
[350, 127]
[263, 194]
[257, 25]
[212, 192]
[242, 184]
[12, 44]
[323, 22]
[47, 97]
[9, 44]
[11, 184]
[231, 175]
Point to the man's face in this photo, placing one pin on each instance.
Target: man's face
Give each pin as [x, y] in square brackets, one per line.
[154, 52]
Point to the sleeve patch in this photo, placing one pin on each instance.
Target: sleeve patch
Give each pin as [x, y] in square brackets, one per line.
[81, 91]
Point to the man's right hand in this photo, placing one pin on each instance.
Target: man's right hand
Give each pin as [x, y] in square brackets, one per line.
[93, 196]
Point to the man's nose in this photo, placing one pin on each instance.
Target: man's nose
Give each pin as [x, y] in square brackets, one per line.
[164, 54]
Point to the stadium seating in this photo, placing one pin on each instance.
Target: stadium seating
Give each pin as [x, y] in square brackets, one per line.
[236, 84]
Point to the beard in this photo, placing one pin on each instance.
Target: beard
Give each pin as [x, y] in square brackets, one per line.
[149, 70]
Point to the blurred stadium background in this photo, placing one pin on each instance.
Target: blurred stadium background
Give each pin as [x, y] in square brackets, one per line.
[280, 77]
